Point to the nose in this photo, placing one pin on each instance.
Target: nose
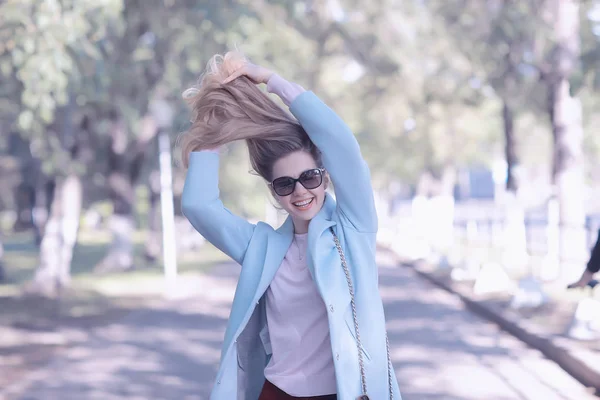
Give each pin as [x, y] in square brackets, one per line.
[299, 189]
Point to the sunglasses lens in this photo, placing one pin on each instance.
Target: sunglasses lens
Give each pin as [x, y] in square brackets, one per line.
[311, 179]
[283, 186]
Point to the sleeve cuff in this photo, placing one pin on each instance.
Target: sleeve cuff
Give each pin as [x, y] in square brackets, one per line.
[287, 91]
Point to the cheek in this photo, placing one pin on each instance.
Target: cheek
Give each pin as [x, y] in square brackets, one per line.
[285, 203]
[319, 193]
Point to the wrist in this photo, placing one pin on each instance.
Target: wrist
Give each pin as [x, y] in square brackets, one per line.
[286, 91]
[273, 81]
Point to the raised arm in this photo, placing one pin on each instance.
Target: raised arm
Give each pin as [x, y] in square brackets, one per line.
[341, 154]
[202, 206]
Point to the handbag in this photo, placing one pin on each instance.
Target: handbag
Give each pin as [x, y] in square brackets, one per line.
[361, 364]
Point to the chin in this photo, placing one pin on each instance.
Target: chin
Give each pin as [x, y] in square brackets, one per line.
[306, 215]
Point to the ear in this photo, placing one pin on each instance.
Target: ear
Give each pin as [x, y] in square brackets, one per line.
[326, 180]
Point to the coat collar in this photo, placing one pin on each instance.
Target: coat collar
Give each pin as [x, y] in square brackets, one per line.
[281, 241]
[324, 218]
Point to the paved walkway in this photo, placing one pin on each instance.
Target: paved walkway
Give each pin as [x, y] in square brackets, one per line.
[440, 351]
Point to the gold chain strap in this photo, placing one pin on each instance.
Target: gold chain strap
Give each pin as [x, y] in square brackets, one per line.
[363, 378]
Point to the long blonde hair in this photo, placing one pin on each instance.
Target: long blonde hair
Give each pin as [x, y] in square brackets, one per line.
[239, 110]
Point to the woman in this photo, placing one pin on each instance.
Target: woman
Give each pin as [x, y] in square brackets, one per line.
[292, 330]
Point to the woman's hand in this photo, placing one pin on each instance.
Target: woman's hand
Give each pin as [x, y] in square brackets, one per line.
[255, 73]
[586, 278]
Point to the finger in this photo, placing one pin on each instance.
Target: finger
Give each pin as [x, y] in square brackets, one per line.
[236, 74]
[231, 77]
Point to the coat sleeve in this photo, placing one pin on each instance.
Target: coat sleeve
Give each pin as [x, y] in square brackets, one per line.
[342, 159]
[201, 205]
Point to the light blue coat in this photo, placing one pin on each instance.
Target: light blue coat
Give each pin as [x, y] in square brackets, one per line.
[260, 250]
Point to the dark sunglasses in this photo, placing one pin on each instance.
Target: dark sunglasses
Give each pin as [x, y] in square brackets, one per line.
[310, 179]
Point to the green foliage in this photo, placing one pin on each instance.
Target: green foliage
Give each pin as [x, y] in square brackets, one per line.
[420, 83]
[414, 114]
[512, 45]
[43, 44]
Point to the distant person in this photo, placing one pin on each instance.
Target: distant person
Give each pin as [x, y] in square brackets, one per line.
[593, 266]
[304, 324]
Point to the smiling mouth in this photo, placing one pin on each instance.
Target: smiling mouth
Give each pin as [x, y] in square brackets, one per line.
[304, 204]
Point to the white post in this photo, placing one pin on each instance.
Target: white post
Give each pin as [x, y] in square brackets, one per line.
[167, 210]
[163, 115]
[551, 268]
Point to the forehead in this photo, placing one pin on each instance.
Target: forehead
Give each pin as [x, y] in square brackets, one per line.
[293, 164]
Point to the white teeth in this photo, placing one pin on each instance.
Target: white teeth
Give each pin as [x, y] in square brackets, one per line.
[303, 203]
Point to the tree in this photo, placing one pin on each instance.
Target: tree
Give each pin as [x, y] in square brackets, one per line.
[56, 34]
[499, 39]
[426, 109]
[586, 83]
[61, 37]
[565, 112]
[539, 39]
[120, 59]
[149, 63]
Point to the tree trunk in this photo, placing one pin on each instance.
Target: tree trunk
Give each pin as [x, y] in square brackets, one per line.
[512, 161]
[25, 193]
[41, 211]
[61, 228]
[566, 117]
[58, 241]
[25, 200]
[515, 234]
[568, 173]
[122, 195]
[125, 164]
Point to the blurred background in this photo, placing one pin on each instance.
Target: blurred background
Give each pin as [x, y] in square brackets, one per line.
[478, 118]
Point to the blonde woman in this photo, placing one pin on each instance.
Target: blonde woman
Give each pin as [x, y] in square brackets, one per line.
[307, 320]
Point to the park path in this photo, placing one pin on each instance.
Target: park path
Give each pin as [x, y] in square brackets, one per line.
[170, 351]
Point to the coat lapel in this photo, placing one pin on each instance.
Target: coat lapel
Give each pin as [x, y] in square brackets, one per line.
[321, 222]
[324, 260]
[279, 243]
[318, 225]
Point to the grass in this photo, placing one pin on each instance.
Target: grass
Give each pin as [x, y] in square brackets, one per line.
[21, 260]
[91, 296]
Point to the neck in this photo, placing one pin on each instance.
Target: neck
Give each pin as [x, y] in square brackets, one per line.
[301, 226]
